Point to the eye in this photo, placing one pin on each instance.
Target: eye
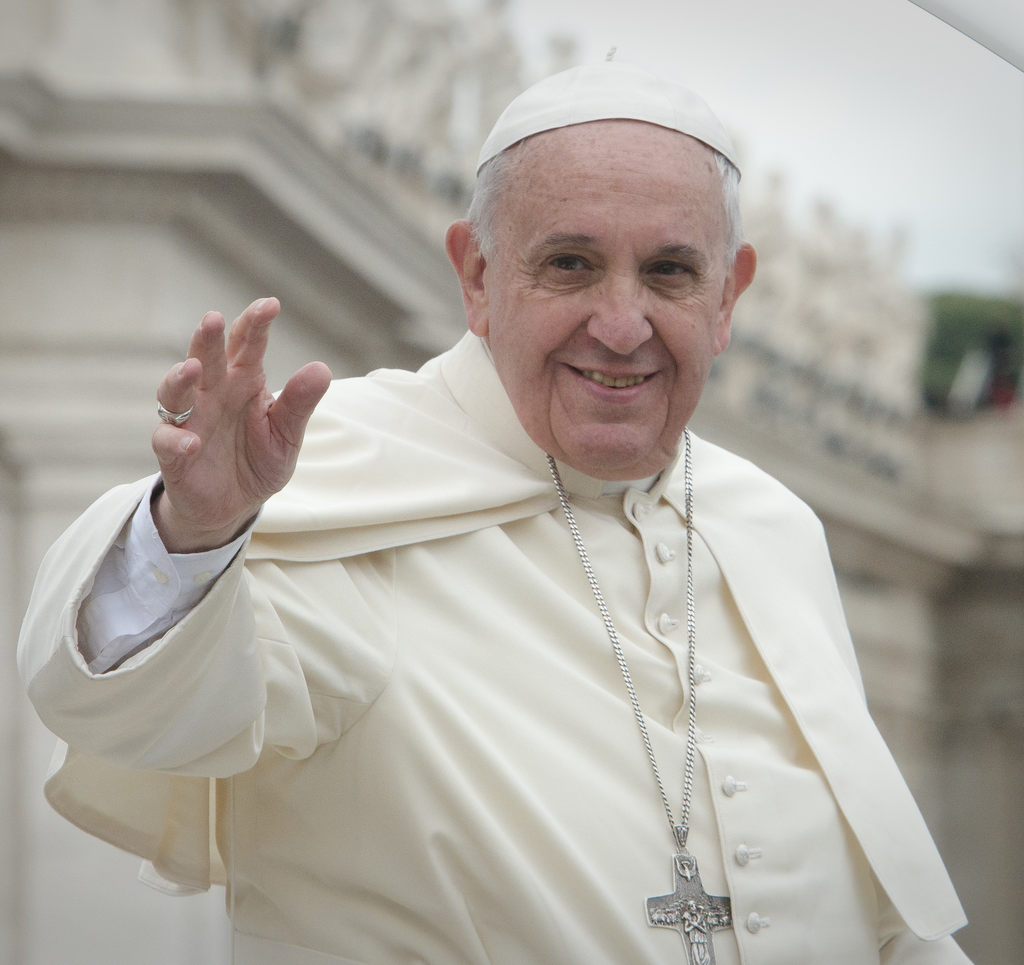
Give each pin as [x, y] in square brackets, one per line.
[568, 263]
[669, 268]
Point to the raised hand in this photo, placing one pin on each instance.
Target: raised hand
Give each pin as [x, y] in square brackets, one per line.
[239, 445]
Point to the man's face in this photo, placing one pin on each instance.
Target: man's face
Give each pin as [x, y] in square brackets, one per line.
[608, 294]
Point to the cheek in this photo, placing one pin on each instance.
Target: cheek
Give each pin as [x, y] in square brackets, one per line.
[693, 347]
[692, 343]
[520, 362]
[521, 340]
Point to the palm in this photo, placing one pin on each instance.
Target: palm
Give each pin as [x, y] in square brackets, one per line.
[240, 445]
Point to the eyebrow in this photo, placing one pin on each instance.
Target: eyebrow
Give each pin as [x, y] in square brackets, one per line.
[564, 240]
[688, 253]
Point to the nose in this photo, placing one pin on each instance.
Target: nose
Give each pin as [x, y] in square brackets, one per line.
[618, 319]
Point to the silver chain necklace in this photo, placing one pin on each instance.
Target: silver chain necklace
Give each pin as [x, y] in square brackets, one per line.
[689, 909]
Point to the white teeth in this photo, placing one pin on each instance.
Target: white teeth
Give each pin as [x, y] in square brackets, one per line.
[613, 383]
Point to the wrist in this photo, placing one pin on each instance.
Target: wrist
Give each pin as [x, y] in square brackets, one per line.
[181, 534]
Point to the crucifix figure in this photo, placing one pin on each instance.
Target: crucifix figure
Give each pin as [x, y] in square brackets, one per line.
[691, 911]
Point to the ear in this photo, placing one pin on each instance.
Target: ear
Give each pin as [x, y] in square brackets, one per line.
[469, 264]
[736, 282]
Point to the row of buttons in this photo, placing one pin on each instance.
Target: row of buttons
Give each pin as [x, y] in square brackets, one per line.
[730, 786]
[744, 853]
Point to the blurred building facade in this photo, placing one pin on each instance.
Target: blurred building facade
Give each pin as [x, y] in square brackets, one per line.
[162, 157]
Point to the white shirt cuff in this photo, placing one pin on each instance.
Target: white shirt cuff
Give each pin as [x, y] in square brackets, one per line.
[141, 590]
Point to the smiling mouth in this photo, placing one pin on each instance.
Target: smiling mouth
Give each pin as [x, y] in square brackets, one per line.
[622, 383]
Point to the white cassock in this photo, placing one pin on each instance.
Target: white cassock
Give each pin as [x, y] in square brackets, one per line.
[422, 747]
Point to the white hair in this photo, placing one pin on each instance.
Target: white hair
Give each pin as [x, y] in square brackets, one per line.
[494, 177]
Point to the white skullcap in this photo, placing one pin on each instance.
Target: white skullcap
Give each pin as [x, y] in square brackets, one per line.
[601, 92]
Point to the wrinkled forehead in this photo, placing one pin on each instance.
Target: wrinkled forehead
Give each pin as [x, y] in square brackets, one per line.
[598, 161]
[647, 147]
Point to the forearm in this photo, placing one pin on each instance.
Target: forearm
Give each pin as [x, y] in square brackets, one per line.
[198, 689]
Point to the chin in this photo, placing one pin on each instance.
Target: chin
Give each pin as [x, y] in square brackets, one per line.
[616, 462]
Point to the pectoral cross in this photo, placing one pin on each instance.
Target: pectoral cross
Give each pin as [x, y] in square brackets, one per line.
[691, 911]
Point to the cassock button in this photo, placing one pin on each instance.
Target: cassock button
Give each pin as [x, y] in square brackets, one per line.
[700, 675]
[730, 786]
[666, 624]
[160, 575]
[744, 854]
[664, 554]
[202, 578]
[640, 510]
[755, 923]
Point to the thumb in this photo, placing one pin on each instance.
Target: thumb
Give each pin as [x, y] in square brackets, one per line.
[291, 410]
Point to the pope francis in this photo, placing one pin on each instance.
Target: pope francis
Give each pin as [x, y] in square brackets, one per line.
[510, 668]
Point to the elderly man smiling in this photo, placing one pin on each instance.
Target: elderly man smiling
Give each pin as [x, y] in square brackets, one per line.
[513, 669]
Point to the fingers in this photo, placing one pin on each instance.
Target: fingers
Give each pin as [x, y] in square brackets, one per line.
[207, 380]
[178, 392]
[250, 333]
[207, 345]
[292, 408]
[173, 447]
[177, 389]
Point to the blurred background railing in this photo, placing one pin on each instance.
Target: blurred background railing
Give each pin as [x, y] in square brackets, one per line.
[162, 157]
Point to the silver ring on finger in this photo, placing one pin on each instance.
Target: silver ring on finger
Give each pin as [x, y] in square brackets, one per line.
[173, 418]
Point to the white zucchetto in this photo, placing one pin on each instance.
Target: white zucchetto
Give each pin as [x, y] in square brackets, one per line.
[601, 92]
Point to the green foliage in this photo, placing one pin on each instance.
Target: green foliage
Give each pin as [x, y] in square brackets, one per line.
[962, 323]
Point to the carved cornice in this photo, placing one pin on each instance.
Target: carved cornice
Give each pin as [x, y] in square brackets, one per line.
[258, 144]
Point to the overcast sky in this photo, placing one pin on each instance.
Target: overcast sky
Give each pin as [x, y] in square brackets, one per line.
[875, 105]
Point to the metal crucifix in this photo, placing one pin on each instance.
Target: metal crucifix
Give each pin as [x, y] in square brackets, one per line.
[691, 911]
